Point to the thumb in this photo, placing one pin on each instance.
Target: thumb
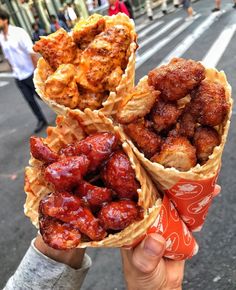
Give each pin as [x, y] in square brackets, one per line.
[148, 253]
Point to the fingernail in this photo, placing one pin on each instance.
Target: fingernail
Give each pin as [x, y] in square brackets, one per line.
[154, 245]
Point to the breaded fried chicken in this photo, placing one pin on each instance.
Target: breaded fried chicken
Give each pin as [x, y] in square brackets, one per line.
[176, 79]
[57, 48]
[205, 139]
[61, 86]
[164, 115]
[176, 152]
[209, 103]
[145, 139]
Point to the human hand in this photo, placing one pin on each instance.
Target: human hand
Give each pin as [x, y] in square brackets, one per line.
[145, 268]
[72, 258]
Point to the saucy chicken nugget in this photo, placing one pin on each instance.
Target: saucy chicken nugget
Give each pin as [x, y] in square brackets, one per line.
[144, 137]
[164, 115]
[103, 55]
[176, 79]
[205, 139]
[209, 103]
[176, 152]
[137, 103]
[61, 86]
[85, 30]
[57, 48]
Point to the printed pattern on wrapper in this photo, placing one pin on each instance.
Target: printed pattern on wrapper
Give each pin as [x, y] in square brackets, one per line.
[180, 243]
[192, 199]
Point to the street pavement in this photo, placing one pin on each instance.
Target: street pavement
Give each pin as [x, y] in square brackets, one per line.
[208, 37]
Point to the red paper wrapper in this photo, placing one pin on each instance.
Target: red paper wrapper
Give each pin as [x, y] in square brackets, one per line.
[180, 243]
[192, 200]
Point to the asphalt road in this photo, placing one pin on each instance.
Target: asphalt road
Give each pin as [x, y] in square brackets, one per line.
[209, 37]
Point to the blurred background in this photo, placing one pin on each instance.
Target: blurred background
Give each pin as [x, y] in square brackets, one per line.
[165, 30]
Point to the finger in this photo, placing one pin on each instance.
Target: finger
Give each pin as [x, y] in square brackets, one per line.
[174, 274]
[147, 255]
[217, 190]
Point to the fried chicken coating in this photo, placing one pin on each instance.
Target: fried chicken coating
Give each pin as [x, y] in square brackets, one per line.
[209, 103]
[103, 55]
[56, 48]
[86, 29]
[44, 69]
[176, 152]
[90, 99]
[61, 86]
[137, 103]
[205, 139]
[58, 235]
[119, 176]
[164, 115]
[176, 79]
[144, 137]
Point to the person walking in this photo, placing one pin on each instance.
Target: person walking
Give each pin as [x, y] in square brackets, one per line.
[56, 24]
[17, 49]
[187, 6]
[116, 6]
[37, 32]
[164, 5]
[218, 5]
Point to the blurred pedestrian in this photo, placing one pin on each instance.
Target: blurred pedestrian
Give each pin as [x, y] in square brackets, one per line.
[115, 6]
[164, 5]
[218, 5]
[17, 48]
[56, 24]
[187, 6]
[61, 16]
[70, 15]
[37, 32]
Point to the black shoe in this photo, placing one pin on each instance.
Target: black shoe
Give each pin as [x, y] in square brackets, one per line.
[164, 12]
[215, 9]
[40, 126]
[176, 5]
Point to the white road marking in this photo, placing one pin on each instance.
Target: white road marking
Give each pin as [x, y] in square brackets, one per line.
[160, 44]
[191, 38]
[150, 28]
[217, 49]
[3, 83]
[6, 75]
[160, 32]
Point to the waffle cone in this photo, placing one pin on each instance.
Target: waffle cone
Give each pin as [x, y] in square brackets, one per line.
[72, 128]
[109, 106]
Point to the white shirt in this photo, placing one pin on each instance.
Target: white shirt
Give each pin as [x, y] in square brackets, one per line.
[17, 49]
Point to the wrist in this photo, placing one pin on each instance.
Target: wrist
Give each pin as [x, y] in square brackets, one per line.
[72, 257]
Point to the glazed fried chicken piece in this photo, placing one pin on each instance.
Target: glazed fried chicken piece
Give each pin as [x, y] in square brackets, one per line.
[56, 48]
[61, 86]
[90, 99]
[176, 152]
[164, 115]
[137, 103]
[57, 234]
[103, 55]
[44, 69]
[85, 30]
[176, 79]
[209, 103]
[119, 176]
[205, 139]
[144, 137]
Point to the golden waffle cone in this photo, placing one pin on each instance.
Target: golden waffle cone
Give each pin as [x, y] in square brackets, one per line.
[68, 130]
[109, 107]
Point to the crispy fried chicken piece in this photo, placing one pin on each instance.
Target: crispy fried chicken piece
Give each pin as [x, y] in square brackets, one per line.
[143, 136]
[176, 152]
[137, 103]
[61, 86]
[57, 48]
[85, 30]
[209, 103]
[164, 115]
[57, 234]
[44, 69]
[119, 176]
[103, 55]
[205, 139]
[69, 209]
[176, 79]
[90, 99]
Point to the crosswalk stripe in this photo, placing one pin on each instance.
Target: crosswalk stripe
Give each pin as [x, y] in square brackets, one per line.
[3, 83]
[191, 38]
[6, 75]
[150, 28]
[217, 49]
[161, 31]
[160, 44]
